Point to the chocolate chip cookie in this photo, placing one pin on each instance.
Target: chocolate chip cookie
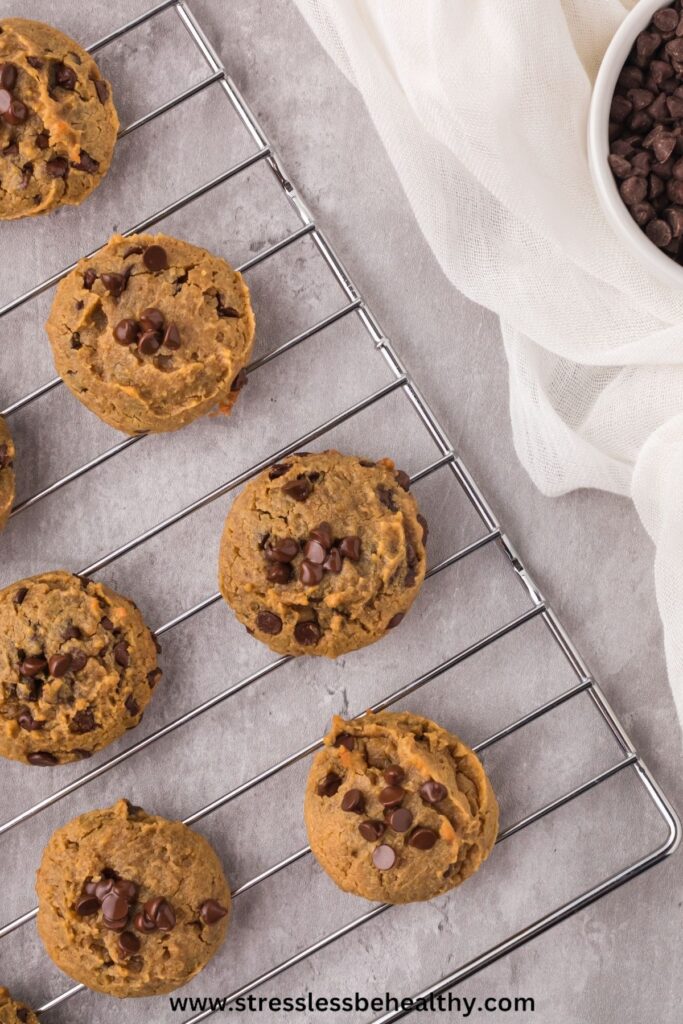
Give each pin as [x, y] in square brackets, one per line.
[152, 332]
[323, 553]
[6, 473]
[397, 809]
[13, 1012]
[77, 668]
[131, 904]
[58, 123]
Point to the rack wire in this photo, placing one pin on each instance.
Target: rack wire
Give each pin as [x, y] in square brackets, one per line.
[401, 382]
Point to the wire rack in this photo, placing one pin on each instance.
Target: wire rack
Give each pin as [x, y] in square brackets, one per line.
[401, 382]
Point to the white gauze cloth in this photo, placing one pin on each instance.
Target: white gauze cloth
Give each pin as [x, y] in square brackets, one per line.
[482, 106]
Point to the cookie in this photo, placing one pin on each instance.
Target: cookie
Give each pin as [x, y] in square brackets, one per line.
[58, 123]
[397, 809]
[12, 1012]
[152, 332]
[130, 904]
[77, 668]
[7, 487]
[323, 553]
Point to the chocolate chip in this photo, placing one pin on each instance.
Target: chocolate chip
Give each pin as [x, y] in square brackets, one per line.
[153, 677]
[298, 489]
[101, 89]
[423, 839]
[283, 550]
[401, 819]
[315, 552]
[307, 633]
[172, 338]
[350, 548]
[155, 258]
[395, 620]
[131, 705]
[391, 796]
[127, 331]
[35, 63]
[63, 76]
[402, 479]
[149, 343]
[143, 923]
[27, 722]
[163, 363]
[82, 721]
[162, 913]
[11, 149]
[89, 278]
[386, 497]
[115, 909]
[124, 886]
[59, 168]
[279, 572]
[128, 944]
[353, 801]
[121, 656]
[86, 163]
[211, 911]
[226, 311]
[425, 529]
[78, 660]
[323, 535]
[43, 758]
[345, 739]
[59, 665]
[666, 20]
[133, 250]
[310, 574]
[432, 792]
[22, 1013]
[33, 665]
[13, 111]
[383, 857]
[372, 830]
[659, 232]
[633, 190]
[115, 283]
[20, 595]
[279, 469]
[333, 562]
[8, 76]
[269, 622]
[393, 774]
[72, 633]
[152, 319]
[86, 906]
[329, 785]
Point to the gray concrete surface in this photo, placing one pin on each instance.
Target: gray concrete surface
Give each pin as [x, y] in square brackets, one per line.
[617, 962]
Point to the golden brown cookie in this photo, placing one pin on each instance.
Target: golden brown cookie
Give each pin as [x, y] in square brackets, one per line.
[13, 1012]
[397, 809]
[7, 484]
[58, 123]
[152, 333]
[323, 553]
[131, 904]
[77, 668]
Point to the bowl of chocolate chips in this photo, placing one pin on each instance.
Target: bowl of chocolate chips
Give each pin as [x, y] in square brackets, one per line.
[635, 135]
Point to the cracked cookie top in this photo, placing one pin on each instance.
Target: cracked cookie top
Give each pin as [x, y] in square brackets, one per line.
[6, 473]
[77, 668]
[58, 123]
[323, 553]
[129, 903]
[152, 332]
[398, 809]
[14, 1012]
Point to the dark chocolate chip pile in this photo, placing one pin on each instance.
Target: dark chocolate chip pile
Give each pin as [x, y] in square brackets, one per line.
[148, 334]
[646, 131]
[396, 817]
[321, 554]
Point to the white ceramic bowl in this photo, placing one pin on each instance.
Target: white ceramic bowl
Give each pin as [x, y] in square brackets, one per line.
[598, 145]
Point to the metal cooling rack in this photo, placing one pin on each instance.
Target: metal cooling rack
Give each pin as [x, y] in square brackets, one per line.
[402, 382]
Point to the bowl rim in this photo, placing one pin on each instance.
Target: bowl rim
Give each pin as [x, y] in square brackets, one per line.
[598, 144]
